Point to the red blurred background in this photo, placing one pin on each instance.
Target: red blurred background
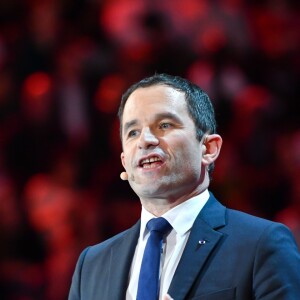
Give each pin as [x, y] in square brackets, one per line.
[63, 67]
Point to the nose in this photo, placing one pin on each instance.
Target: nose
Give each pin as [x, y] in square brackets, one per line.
[147, 139]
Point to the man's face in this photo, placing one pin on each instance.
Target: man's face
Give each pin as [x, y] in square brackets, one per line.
[161, 154]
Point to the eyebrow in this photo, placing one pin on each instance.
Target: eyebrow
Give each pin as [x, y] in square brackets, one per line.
[167, 115]
[129, 124]
[159, 116]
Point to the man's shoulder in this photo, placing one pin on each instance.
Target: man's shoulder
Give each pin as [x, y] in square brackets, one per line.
[107, 245]
[240, 222]
[247, 218]
[248, 231]
[251, 227]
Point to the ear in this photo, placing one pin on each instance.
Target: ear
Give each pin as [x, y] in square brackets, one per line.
[211, 148]
[123, 160]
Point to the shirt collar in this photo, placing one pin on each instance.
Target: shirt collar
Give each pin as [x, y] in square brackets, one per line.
[181, 217]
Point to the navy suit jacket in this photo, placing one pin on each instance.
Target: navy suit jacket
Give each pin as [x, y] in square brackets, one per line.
[244, 257]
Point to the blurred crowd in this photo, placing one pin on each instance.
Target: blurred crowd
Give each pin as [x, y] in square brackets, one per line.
[64, 65]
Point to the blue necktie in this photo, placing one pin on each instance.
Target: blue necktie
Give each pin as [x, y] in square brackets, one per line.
[148, 286]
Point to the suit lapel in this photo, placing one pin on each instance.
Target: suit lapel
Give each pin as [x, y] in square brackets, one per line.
[121, 256]
[202, 240]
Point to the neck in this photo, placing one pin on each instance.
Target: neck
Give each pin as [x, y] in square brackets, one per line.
[159, 206]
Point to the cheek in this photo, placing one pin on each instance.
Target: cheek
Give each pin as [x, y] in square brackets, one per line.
[126, 161]
[190, 156]
[186, 148]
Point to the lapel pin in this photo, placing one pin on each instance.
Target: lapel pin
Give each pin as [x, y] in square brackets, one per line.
[202, 242]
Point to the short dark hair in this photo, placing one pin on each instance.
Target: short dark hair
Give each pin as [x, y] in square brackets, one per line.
[198, 103]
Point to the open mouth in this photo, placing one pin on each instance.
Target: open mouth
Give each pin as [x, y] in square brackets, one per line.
[150, 162]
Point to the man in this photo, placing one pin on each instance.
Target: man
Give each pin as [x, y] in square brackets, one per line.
[170, 144]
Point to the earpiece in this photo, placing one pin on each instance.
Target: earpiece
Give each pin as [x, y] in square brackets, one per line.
[124, 176]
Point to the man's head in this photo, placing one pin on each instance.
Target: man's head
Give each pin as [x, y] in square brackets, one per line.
[198, 103]
[168, 138]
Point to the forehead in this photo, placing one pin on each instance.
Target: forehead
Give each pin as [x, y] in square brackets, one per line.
[154, 99]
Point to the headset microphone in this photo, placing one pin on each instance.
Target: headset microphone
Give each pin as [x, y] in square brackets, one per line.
[124, 176]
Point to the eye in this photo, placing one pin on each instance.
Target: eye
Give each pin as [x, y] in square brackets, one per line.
[165, 125]
[132, 133]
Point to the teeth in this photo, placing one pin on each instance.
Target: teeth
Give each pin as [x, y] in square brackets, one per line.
[151, 160]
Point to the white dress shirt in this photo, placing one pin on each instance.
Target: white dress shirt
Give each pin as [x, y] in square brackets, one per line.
[182, 218]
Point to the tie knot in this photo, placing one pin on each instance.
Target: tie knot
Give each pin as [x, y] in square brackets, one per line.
[159, 224]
